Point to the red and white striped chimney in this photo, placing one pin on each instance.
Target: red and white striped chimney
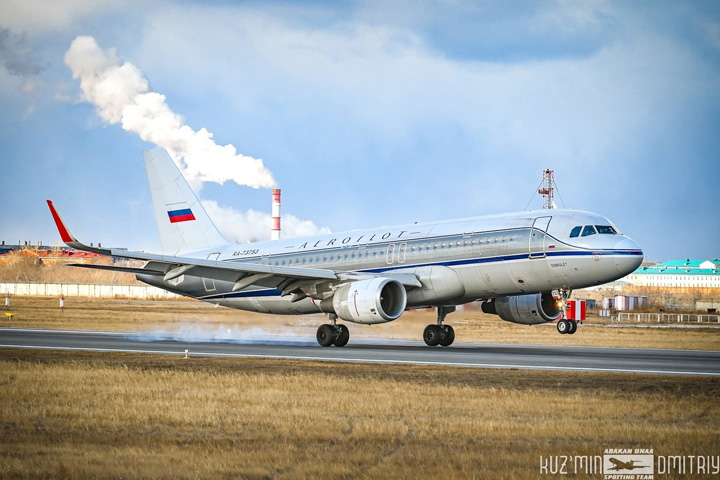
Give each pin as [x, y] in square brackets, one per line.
[275, 232]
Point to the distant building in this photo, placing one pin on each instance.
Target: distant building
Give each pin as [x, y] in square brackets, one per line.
[687, 275]
[49, 256]
[625, 302]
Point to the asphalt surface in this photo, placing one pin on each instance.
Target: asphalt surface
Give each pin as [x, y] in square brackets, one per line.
[590, 359]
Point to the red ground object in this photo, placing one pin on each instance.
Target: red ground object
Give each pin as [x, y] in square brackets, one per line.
[575, 310]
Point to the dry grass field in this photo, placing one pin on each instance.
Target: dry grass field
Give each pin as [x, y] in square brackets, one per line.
[133, 416]
[470, 326]
[83, 415]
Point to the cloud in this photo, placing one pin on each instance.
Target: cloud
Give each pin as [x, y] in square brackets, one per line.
[39, 17]
[122, 95]
[16, 59]
[252, 226]
[504, 32]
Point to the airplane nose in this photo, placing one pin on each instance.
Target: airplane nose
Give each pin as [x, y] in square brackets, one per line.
[628, 256]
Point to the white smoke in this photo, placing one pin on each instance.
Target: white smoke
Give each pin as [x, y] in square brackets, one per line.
[191, 333]
[122, 94]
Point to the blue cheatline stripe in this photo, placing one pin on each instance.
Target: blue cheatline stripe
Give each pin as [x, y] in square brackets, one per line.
[273, 292]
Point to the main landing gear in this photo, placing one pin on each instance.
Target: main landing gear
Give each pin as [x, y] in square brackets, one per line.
[334, 334]
[440, 334]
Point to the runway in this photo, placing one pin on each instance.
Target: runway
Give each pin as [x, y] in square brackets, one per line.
[531, 357]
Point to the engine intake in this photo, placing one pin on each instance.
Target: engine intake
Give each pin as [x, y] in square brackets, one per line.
[377, 300]
[525, 309]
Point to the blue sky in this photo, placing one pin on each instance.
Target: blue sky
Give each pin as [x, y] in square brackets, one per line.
[364, 113]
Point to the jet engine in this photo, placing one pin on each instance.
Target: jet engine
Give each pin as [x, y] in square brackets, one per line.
[377, 300]
[525, 309]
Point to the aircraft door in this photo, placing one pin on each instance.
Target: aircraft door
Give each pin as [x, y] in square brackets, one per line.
[538, 237]
[389, 258]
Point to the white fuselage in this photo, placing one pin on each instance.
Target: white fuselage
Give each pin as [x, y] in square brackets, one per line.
[457, 261]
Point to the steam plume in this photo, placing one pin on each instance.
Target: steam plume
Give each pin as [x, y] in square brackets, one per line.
[192, 333]
[122, 95]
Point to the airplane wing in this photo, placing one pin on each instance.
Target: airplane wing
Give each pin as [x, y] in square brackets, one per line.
[288, 279]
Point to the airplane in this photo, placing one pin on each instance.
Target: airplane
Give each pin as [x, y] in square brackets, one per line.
[620, 465]
[522, 266]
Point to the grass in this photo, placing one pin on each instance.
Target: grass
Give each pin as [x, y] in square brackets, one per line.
[82, 415]
[471, 326]
[133, 416]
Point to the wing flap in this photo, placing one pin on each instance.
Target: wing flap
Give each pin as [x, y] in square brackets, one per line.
[114, 268]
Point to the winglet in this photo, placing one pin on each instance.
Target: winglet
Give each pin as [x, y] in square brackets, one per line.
[65, 234]
[68, 237]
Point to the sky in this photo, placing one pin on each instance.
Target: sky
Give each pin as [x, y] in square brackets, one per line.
[364, 113]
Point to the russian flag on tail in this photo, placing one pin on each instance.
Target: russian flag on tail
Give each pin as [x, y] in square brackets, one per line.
[182, 215]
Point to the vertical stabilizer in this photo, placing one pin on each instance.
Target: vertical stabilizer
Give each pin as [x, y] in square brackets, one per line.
[182, 222]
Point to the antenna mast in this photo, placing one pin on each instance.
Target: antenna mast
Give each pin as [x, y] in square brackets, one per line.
[547, 189]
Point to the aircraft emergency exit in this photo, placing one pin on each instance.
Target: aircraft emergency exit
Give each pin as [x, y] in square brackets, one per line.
[518, 264]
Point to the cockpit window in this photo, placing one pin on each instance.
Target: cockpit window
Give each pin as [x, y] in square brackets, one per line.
[588, 230]
[606, 230]
[575, 231]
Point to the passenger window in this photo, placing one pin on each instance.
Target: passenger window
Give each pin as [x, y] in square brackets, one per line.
[575, 231]
[588, 230]
[605, 230]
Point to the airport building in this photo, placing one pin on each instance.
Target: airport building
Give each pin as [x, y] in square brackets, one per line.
[684, 275]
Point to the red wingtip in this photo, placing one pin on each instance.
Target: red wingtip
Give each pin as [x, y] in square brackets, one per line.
[64, 232]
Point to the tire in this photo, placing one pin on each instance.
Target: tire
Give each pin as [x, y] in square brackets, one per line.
[342, 337]
[431, 335]
[573, 326]
[448, 336]
[325, 335]
[563, 327]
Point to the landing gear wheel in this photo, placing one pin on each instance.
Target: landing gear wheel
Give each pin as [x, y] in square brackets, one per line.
[343, 335]
[563, 326]
[573, 326]
[325, 335]
[432, 335]
[447, 335]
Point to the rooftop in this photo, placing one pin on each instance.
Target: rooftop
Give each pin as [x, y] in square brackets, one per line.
[682, 267]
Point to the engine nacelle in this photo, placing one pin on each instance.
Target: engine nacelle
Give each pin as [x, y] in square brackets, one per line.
[377, 300]
[525, 309]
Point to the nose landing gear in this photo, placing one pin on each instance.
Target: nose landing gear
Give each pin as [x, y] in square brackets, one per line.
[567, 326]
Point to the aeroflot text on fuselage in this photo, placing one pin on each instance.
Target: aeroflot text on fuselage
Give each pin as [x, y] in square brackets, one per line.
[334, 242]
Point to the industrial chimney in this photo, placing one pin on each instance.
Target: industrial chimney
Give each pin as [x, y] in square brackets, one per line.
[275, 232]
